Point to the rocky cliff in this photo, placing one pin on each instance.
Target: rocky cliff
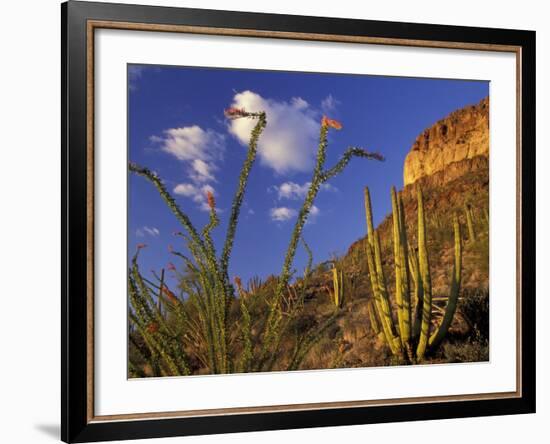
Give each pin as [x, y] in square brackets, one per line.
[450, 161]
[450, 146]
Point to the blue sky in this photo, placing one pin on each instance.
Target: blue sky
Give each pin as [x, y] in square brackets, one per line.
[177, 128]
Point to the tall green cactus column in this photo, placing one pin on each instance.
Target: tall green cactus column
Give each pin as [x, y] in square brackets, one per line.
[418, 295]
[375, 324]
[424, 268]
[337, 286]
[470, 222]
[378, 281]
[402, 296]
[439, 334]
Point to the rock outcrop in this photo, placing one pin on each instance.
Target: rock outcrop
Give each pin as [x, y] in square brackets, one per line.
[450, 146]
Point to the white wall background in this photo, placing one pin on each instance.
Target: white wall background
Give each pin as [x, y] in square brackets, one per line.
[30, 208]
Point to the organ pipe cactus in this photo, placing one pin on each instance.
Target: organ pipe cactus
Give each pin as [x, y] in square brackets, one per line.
[439, 334]
[412, 338]
[402, 295]
[375, 324]
[470, 223]
[377, 279]
[337, 292]
[425, 278]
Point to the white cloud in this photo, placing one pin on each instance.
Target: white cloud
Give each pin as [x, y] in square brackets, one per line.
[200, 151]
[196, 193]
[294, 191]
[328, 187]
[208, 188]
[282, 214]
[147, 231]
[329, 103]
[189, 143]
[185, 189]
[288, 142]
[314, 213]
[291, 190]
[299, 103]
[155, 139]
[202, 171]
[134, 74]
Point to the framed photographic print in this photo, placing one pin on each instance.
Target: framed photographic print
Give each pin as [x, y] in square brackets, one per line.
[276, 221]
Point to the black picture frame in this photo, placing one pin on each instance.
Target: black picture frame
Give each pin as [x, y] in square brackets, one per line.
[76, 423]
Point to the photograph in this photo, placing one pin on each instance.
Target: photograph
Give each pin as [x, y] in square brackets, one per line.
[285, 220]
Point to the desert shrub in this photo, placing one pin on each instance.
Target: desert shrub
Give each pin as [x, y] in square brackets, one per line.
[475, 349]
[474, 306]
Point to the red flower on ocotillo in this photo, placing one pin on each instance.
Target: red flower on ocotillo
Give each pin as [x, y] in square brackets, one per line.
[169, 295]
[235, 113]
[238, 282]
[331, 123]
[239, 285]
[210, 199]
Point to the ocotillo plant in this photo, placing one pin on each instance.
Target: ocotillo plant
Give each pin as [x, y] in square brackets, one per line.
[160, 347]
[320, 176]
[214, 294]
[210, 334]
[413, 336]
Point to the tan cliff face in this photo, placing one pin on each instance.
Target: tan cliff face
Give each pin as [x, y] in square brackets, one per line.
[450, 144]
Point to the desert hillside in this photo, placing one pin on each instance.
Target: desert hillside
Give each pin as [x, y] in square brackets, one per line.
[450, 162]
